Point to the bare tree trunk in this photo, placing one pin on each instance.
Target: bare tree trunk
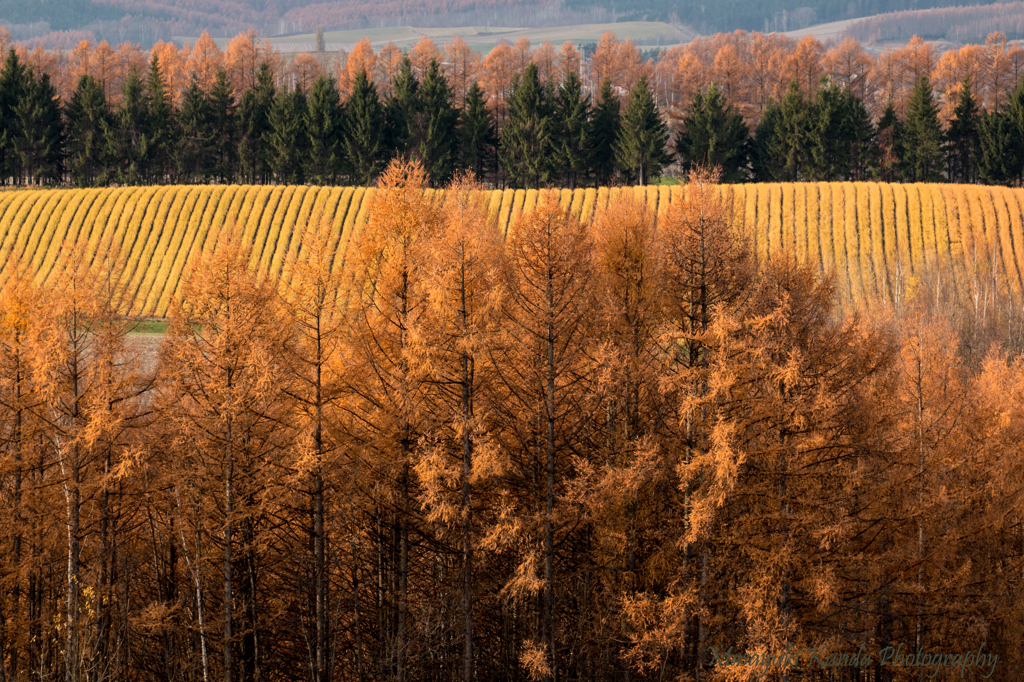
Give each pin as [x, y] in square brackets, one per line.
[467, 492]
[197, 585]
[403, 575]
[229, 502]
[319, 541]
[549, 510]
[15, 596]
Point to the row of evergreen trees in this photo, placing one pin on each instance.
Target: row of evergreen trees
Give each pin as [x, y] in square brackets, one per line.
[284, 135]
[831, 137]
[550, 134]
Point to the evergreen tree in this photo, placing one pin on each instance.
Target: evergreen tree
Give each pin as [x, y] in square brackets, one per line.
[223, 120]
[324, 125]
[526, 140]
[127, 135]
[287, 140]
[403, 112]
[890, 145]
[477, 139]
[364, 140]
[1014, 115]
[195, 149]
[14, 88]
[765, 166]
[840, 136]
[572, 126]
[604, 130]
[254, 124]
[962, 138]
[641, 146]
[87, 115]
[440, 120]
[787, 146]
[923, 142]
[39, 144]
[714, 134]
[863, 138]
[161, 124]
[995, 149]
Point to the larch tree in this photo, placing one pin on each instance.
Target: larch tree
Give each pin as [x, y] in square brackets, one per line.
[388, 384]
[462, 461]
[22, 419]
[82, 366]
[315, 308]
[223, 383]
[707, 269]
[629, 489]
[543, 375]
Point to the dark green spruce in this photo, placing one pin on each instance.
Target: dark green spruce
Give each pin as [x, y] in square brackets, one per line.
[715, 135]
[641, 148]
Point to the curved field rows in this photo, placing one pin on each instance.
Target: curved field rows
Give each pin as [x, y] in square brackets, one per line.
[881, 239]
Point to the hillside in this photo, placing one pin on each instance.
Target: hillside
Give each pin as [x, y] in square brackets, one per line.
[878, 236]
[968, 24]
[146, 21]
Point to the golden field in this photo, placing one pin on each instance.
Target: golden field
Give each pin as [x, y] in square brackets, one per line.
[879, 237]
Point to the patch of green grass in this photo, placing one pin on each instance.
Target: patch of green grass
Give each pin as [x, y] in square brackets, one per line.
[646, 34]
[668, 180]
[149, 327]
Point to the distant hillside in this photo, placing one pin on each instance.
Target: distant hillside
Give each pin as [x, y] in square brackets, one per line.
[145, 21]
[956, 24]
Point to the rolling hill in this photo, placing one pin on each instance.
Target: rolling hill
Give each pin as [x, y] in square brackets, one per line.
[148, 20]
[879, 237]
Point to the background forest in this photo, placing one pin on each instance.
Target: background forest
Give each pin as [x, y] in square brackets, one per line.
[763, 107]
[595, 452]
[147, 21]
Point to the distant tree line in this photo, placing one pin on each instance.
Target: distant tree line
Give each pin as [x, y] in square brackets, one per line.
[551, 134]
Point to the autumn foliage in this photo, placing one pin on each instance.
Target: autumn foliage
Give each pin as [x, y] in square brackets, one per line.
[600, 449]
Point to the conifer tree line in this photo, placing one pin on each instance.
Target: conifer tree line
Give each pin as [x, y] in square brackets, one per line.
[596, 452]
[535, 126]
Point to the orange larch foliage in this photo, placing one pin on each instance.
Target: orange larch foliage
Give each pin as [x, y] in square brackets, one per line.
[389, 64]
[174, 70]
[205, 59]
[521, 54]
[462, 65]
[849, 64]
[421, 54]
[569, 60]
[242, 60]
[545, 57]
[361, 58]
[805, 65]
[731, 74]
[304, 71]
[496, 73]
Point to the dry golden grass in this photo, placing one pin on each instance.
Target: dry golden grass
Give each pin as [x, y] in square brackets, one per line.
[873, 234]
